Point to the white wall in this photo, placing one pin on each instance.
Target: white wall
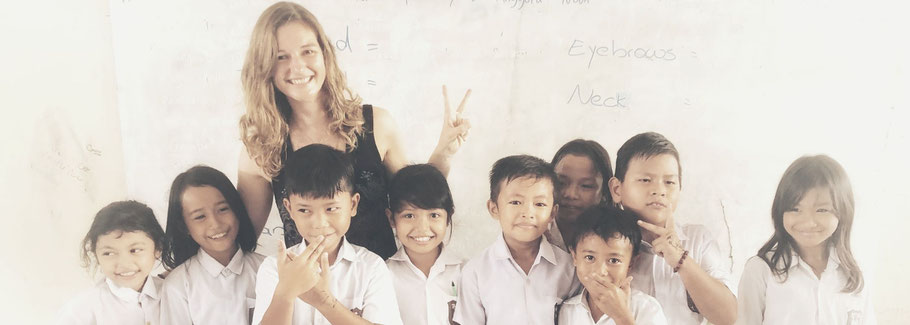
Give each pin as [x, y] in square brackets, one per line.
[753, 86]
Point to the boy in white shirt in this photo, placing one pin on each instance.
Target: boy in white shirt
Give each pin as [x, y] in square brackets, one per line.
[603, 253]
[521, 277]
[681, 266]
[325, 279]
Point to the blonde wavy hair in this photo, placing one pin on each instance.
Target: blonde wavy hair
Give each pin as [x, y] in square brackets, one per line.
[264, 127]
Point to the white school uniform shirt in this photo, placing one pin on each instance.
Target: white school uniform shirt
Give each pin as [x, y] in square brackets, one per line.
[202, 291]
[653, 276]
[644, 308]
[108, 303]
[494, 289]
[803, 298]
[425, 299]
[360, 280]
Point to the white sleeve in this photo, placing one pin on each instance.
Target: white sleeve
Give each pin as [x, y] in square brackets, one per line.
[868, 310]
[711, 260]
[468, 307]
[175, 308]
[380, 305]
[266, 282]
[752, 288]
[650, 312]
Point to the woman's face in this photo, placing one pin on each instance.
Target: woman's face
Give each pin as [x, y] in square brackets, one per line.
[299, 70]
[580, 186]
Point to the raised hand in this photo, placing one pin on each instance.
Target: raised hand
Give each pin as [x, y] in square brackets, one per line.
[667, 243]
[297, 274]
[454, 127]
[610, 297]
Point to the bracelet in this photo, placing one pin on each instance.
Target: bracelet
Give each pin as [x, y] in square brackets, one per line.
[681, 259]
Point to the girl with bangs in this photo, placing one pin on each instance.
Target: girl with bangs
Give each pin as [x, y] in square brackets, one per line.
[806, 273]
[295, 95]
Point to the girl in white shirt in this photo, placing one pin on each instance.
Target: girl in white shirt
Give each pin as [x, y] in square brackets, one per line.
[423, 271]
[214, 267]
[806, 274]
[125, 240]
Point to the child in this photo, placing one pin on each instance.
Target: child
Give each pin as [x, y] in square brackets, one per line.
[806, 274]
[214, 266]
[521, 277]
[603, 253]
[681, 266]
[125, 240]
[582, 169]
[301, 283]
[424, 271]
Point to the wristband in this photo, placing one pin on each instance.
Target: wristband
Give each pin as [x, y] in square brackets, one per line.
[681, 259]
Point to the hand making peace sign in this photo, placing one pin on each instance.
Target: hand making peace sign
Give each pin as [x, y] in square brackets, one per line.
[454, 127]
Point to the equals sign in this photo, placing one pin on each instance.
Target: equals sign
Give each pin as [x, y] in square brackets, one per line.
[372, 46]
[371, 82]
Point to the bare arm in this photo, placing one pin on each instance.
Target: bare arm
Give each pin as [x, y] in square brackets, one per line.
[713, 299]
[255, 191]
[388, 142]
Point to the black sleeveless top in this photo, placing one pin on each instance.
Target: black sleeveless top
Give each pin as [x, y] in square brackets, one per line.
[369, 228]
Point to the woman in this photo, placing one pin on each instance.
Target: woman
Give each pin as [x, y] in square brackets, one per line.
[296, 95]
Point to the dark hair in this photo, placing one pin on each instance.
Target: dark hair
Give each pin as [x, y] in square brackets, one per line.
[607, 222]
[804, 174]
[512, 167]
[182, 244]
[318, 171]
[598, 156]
[422, 186]
[124, 216]
[644, 145]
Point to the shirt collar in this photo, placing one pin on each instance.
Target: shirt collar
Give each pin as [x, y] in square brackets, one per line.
[214, 268]
[128, 294]
[545, 252]
[833, 261]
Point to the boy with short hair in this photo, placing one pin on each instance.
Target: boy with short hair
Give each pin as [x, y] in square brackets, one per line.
[681, 266]
[603, 252]
[301, 283]
[521, 277]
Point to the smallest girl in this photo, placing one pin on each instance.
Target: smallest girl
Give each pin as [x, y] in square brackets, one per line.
[214, 267]
[125, 240]
[806, 274]
[423, 270]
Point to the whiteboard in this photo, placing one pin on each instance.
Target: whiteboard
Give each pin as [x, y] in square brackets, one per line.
[742, 88]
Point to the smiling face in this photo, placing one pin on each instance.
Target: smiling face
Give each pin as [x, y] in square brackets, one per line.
[580, 186]
[420, 230]
[813, 220]
[610, 259]
[524, 208]
[328, 217]
[650, 189]
[126, 257]
[299, 70]
[210, 221]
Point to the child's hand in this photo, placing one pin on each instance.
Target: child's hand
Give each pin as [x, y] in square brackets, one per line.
[298, 274]
[319, 293]
[667, 243]
[454, 128]
[612, 299]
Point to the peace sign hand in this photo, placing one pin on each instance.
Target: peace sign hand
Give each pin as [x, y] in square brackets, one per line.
[667, 243]
[298, 274]
[454, 127]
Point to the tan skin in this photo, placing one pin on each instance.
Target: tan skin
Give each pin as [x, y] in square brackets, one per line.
[301, 57]
[656, 179]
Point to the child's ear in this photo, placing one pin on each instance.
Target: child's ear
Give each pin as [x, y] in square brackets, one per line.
[572, 251]
[554, 213]
[615, 185]
[493, 208]
[158, 254]
[388, 214]
[355, 200]
[287, 204]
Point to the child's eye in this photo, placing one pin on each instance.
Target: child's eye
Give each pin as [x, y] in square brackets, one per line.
[199, 217]
[615, 261]
[824, 210]
[644, 180]
[540, 204]
[408, 216]
[589, 258]
[303, 210]
[671, 182]
[282, 57]
[514, 202]
[793, 209]
[435, 215]
[136, 250]
[333, 209]
[589, 186]
[224, 209]
[107, 253]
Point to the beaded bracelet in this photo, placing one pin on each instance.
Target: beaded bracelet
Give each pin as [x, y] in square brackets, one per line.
[681, 259]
